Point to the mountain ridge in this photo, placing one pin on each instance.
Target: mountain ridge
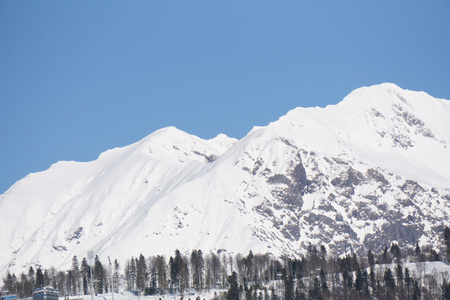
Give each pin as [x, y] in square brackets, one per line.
[353, 175]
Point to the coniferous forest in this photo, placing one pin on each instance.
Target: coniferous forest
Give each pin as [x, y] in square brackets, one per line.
[394, 273]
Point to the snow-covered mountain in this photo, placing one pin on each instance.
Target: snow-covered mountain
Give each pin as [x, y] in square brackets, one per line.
[373, 169]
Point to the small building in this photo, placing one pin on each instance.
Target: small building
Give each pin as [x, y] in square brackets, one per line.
[45, 293]
[7, 296]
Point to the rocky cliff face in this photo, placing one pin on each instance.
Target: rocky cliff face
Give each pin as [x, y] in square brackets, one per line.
[355, 176]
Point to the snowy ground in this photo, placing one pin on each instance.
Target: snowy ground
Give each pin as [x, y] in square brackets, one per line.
[130, 296]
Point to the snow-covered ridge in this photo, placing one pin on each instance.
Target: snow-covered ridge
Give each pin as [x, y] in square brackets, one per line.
[385, 124]
[372, 168]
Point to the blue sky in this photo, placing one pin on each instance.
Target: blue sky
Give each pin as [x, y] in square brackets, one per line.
[80, 77]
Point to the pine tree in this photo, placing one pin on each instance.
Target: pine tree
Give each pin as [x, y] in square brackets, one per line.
[39, 279]
[31, 277]
[288, 287]
[447, 242]
[75, 281]
[370, 258]
[85, 275]
[130, 274]
[434, 256]
[27, 287]
[98, 275]
[213, 268]
[18, 287]
[116, 276]
[141, 273]
[46, 278]
[61, 283]
[323, 280]
[176, 266]
[233, 290]
[160, 265]
[445, 290]
[419, 256]
[407, 278]
[248, 263]
[359, 281]
[197, 264]
[399, 273]
[416, 291]
[315, 292]
[389, 279]
[372, 279]
[385, 259]
[395, 251]
[9, 282]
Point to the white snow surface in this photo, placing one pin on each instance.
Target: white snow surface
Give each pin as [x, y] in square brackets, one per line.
[172, 190]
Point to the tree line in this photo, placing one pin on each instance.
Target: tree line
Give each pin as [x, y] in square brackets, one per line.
[315, 275]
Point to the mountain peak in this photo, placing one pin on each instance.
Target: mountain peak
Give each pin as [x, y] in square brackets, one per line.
[376, 123]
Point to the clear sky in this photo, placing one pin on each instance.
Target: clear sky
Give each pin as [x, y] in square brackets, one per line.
[80, 77]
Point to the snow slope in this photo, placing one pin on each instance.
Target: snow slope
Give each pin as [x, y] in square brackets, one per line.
[356, 175]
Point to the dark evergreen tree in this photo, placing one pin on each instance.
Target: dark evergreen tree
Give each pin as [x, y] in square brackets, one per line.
[372, 278]
[85, 275]
[18, 288]
[248, 264]
[447, 241]
[389, 280]
[61, 284]
[70, 281]
[407, 278]
[395, 251]
[160, 266]
[116, 276]
[315, 292]
[434, 256]
[419, 256]
[176, 266]
[39, 279]
[350, 281]
[98, 274]
[31, 277]
[141, 273]
[248, 293]
[9, 282]
[370, 258]
[416, 291]
[172, 271]
[197, 265]
[385, 257]
[365, 279]
[27, 286]
[323, 280]
[214, 268]
[445, 289]
[359, 281]
[288, 287]
[323, 251]
[130, 274]
[354, 263]
[46, 278]
[76, 276]
[233, 290]
[399, 271]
